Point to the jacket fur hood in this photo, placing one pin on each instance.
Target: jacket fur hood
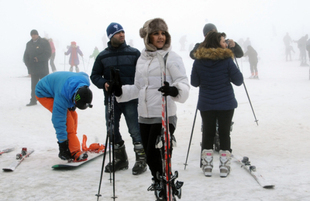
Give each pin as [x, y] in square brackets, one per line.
[213, 53]
[150, 26]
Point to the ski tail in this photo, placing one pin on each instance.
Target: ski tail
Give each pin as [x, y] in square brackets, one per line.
[6, 150]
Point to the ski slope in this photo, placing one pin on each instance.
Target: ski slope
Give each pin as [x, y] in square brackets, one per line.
[278, 146]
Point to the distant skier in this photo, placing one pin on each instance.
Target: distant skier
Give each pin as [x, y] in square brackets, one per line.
[95, 53]
[302, 43]
[53, 54]
[308, 48]
[61, 93]
[74, 59]
[288, 48]
[253, 60]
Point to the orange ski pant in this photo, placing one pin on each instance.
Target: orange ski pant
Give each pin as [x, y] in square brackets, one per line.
[72, 121]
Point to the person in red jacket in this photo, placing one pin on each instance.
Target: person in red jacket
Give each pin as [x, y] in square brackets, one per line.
[53, 55]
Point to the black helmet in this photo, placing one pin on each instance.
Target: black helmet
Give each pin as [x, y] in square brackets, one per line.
[83, 97]
[209, 27]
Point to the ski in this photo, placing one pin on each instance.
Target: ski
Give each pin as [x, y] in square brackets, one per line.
[20, 157]
[72, 164]
[6, 150]
[246, 164]
[165, 145]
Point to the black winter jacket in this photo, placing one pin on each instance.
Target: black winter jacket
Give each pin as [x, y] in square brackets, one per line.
[123, 58]
[40, 49]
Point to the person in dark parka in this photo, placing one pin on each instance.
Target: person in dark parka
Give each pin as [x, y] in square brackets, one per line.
[213, 72]
[123, 58]
[38, 52]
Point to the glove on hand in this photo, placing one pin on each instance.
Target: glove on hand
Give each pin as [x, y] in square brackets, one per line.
[115, 83]
[168, 91]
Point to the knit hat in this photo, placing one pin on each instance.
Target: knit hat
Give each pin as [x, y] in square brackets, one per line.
[34, 32]
[114, 28]
[83, 98]
[150, 26]
[209, 27]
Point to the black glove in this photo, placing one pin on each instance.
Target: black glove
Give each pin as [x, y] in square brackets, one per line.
[64, 152]
[115, 83]
[168, 91]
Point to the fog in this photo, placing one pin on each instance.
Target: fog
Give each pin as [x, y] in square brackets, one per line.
[265, 22]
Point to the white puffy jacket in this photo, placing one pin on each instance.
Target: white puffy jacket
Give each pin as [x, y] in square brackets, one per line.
[148, 81]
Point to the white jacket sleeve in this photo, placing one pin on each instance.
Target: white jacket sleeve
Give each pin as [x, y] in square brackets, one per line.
[129, 92]
[179, 78]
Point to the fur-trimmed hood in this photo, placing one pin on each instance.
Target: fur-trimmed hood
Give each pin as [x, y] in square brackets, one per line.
[213, 53]
[156, 24]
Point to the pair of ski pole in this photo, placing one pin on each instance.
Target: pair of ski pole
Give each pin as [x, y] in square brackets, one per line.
[190, 141]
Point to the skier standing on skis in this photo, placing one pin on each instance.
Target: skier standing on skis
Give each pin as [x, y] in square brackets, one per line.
[61, 93]
[213, 71]
[74, 58]
[253, 60]
[123, 58]
[148, 87]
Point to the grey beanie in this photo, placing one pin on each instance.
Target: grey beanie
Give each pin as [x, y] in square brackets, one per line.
[209, 27]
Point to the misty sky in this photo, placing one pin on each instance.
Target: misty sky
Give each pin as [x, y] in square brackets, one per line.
[263, 21]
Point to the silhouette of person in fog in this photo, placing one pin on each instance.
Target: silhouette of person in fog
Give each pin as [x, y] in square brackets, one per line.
[302, 42]
[288, 47]
[253, 60]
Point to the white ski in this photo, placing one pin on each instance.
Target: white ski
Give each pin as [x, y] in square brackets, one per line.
[6, 150]
[246, 164]
[19, 158]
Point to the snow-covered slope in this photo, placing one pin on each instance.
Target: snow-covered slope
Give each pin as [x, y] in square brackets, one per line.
[278, 146]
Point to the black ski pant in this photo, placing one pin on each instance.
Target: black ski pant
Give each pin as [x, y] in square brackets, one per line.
[149, 135]
[209, 118]
[34, 81]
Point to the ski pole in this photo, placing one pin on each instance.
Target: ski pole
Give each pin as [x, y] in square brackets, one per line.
[64, 62]
[246, 91]
[190, 140]
[102, 167]
[83, 64]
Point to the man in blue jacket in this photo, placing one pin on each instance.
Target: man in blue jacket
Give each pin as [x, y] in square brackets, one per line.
[122, 57]
[61, 93]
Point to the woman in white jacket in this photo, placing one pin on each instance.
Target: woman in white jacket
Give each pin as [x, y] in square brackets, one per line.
[149, 88]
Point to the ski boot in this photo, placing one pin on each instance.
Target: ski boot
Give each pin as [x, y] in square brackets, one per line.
[64, 152]
[207, 162]
[225, 158]
[140, 165]
[120, 159]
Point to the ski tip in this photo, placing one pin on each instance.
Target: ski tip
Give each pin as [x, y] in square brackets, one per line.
[7, 170]
[269, 186]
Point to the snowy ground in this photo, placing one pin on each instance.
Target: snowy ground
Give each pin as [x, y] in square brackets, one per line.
[278, 146]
